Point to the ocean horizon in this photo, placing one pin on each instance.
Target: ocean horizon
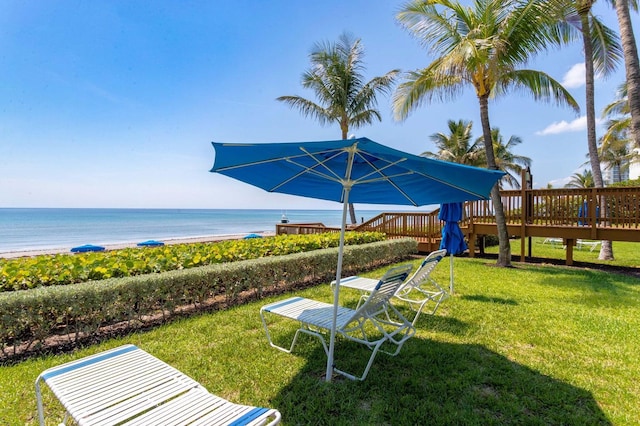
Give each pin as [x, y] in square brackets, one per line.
[27, 229]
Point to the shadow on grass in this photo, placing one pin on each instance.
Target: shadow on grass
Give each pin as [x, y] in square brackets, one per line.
[431, 383]
[482, 298]
[602, 267]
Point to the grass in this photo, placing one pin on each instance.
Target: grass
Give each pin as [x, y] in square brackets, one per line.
[534, 344]
[625, 253]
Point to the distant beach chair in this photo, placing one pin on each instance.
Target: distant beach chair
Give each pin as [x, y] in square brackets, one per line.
[417, 291]
[128, 386]
[554, 242]
[86, 248]
[369, 324]
[591, 244]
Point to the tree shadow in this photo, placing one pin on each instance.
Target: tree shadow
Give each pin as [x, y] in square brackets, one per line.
[488, 299]
[431, 382]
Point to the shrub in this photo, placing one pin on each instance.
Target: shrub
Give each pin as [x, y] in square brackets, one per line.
[62, 269]
[29, 317]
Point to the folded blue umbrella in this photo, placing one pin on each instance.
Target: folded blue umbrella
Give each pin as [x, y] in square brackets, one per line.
[86, 248]
[150, 243]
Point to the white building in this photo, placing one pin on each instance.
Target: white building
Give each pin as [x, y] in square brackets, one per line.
[614, 174]
[634, 167]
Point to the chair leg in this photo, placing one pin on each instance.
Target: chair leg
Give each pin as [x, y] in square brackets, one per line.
[367, 368]
[302, 329]
[266, 329]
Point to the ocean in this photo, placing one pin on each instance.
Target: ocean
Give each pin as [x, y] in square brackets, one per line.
[25, 229]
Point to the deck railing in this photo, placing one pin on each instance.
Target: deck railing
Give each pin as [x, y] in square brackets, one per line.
[616, 208]
[417, 225]
[571, 214]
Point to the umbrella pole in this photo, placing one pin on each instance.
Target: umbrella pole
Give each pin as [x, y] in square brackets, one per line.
[336, 288]
[451, 273]
[346, 189]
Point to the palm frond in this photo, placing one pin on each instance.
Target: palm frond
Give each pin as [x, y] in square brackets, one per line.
[540, 85]
[308, 108]
[607, 52]
[422, 86]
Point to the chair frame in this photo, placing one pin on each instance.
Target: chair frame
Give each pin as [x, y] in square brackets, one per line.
[369, 324]
[416, 291]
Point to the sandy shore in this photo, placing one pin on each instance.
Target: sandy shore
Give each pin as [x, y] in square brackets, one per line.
[168, 241]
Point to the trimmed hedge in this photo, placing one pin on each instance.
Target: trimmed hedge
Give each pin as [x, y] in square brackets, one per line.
[79, 311]
[63, 269]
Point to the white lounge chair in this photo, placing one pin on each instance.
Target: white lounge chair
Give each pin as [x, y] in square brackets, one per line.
[554, 242]
[591, 244]
[369, 324]
[417, 291]
[128, 386]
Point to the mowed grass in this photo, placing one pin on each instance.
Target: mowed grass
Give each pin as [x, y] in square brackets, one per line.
[533, 344]
[625, 253]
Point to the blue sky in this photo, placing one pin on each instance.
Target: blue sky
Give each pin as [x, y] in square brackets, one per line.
[115, 103]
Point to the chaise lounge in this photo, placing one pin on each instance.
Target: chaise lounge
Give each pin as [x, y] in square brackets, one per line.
[128, 386]
[370, 324]
[417, 292]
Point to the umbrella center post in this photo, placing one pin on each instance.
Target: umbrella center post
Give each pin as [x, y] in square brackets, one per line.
[346, 189]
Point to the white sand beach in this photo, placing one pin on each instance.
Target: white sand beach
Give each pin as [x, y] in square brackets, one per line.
[186, 240]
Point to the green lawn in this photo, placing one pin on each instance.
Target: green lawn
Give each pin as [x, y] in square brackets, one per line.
[534, 344]
[625, 254]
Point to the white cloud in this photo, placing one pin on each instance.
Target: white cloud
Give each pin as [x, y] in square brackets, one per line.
[563, 127]
[574, 77]
[560, 183]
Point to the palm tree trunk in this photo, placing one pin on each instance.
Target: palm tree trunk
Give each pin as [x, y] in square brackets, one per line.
[504, 255]
[632, 66]
[352, 214]
[592, 141]
[606, 248]
[344, 128]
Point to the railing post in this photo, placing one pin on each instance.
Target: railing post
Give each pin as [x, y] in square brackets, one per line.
[593, 212]
[523, 211]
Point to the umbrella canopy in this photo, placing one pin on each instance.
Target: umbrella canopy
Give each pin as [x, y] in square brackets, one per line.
[150, 243]
[86, 248]
[452, 236]
[373, 173]
[351, 171]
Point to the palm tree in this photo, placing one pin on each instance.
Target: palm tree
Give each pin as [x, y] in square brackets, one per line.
[506, 160]
[619, 118]
[581, 180]
[616, 154]
[335, 76]
[456, 146]
[485, 46]
[601, 55]
[632, 65]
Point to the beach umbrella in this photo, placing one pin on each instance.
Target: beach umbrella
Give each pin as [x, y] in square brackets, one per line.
[150, 243]
[86, 248]
[452, 236]
[351, 171]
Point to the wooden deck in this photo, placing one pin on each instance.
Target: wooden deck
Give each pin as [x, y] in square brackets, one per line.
[568, 214]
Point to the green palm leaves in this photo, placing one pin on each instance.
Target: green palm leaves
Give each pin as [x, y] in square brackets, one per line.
[343, 97]
[485, 46]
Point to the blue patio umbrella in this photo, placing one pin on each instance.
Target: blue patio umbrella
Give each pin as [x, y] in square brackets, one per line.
[351, 171]
[86, 248]
[150, 243]
[452, 236]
